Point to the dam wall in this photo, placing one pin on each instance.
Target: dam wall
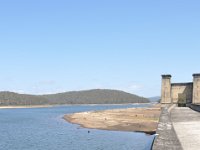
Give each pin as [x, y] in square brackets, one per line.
[186, 89]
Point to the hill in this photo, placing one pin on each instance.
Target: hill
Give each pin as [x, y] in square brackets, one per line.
[77, 97]
[154, 99]
[15, 99]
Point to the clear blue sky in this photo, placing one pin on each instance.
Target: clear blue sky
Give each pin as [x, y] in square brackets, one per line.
[49, 46]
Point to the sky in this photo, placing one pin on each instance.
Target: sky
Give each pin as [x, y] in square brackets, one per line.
[51, 46]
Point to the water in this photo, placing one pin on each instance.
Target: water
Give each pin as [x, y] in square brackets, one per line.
[44, 129]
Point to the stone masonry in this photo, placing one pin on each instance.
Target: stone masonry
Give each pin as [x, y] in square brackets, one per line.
[172, 92]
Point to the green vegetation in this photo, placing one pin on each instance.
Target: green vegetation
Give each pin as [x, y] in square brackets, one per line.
[76, 97]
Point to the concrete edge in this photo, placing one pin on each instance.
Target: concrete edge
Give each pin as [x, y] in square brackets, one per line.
[156, 145]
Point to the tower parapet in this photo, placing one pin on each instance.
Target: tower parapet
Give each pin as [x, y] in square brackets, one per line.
[166, 76]
[166, 89]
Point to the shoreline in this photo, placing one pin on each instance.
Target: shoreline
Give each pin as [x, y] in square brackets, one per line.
[46, 106]
[128, 119]
[28, 106]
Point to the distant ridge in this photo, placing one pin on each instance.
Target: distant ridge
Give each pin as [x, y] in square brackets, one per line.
[96, 96]
[154, 99]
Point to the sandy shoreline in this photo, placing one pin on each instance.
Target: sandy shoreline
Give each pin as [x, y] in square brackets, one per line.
[28, 106]
[130, 119]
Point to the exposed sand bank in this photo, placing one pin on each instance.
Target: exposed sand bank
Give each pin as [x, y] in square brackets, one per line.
[131, 119]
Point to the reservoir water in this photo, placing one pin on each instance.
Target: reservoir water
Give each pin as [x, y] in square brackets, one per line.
[44, 129]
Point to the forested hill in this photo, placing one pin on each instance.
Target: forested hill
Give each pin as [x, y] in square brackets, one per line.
[76, 97]
[11, 98]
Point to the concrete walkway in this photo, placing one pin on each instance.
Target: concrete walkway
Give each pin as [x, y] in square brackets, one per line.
[186, 123]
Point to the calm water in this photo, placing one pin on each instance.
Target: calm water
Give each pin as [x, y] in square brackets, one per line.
[44, 129]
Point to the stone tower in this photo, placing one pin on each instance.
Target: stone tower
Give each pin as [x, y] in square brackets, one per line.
[166, 89]
[196, 89]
